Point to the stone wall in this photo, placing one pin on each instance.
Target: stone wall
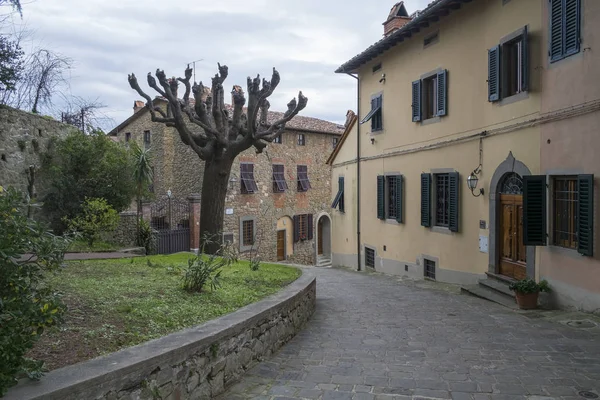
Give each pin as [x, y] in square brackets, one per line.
[23, 138]
[125, 233]
[197, 363]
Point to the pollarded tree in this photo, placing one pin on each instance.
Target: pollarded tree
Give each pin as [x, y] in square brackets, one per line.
[222, 133]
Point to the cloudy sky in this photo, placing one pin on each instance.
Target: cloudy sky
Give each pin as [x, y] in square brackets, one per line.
[305, 40]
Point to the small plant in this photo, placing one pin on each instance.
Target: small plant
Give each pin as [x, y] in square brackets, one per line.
[214, 348]
[255, 264]
[145, 236]
[22, 144]
[529, 286]
[206, 268]
[97, 216]
[35, 144]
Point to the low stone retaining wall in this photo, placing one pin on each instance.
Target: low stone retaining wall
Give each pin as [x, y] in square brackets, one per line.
[196, 363]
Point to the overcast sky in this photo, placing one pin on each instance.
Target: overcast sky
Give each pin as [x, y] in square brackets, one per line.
[306, 40]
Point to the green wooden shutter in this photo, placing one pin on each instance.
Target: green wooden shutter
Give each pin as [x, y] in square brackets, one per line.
[380, 197]
[494, 74]
[556, 30]
[416, 101]
[399, 197]
[426, 200]
[442, 100]
[296, 228]
[572, 13]
[453, 201]
[534, 210]
[585, 215]
[525, 60]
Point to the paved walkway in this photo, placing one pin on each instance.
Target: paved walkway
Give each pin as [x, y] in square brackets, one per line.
[373, 337]
[98, 256]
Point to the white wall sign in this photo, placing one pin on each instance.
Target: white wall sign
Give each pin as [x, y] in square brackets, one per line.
[229, 211]
[483, 244]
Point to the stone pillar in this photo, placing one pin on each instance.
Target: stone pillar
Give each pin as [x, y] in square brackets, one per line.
[146, 211]
[194, 200]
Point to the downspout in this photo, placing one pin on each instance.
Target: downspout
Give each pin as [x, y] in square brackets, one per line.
[358, 258]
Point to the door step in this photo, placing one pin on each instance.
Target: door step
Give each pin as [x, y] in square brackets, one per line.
[494, 288]
[323, 262]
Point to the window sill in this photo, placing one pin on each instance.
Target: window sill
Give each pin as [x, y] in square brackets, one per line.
[376, 132]
[441, 229]
[572, 253]
[432, 120]
[391, 221]
[514, 98]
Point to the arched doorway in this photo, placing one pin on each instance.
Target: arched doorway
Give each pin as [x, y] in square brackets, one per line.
[285, 239]
[324, 240]
[512, 251]
[507, 254]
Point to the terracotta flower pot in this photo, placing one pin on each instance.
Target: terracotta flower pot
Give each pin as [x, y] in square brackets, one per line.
[527, 301]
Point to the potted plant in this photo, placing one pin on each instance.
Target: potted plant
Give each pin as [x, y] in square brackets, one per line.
[527, 291]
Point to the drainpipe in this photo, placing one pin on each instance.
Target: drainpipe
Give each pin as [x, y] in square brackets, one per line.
[357, 169]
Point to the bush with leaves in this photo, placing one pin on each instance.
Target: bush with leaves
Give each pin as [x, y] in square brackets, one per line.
[28, 253]
[206, 268]
[145, 236]
[96, 217]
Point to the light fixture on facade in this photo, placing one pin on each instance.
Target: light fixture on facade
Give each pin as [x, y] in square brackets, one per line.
[472, 181]
[232, 182]
[169, 193]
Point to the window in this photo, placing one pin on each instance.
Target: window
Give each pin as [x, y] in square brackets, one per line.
[431, 39]
[376, 67]
[565, 212]
[443, 202]
[335, 141]
[248, 233]
[429, 269]
[247, 178]
[508, 67]
[565, 28]
[303, 182]
[442, 195]
[278, 139]
[146, 139]
[279, 183]
[375, 115]
[303, 227]
[301, 139]
[151, 185]
[430, 96]
[338, 202]
[389, 197]
[227, 238]
[127, 136]
[369, 257]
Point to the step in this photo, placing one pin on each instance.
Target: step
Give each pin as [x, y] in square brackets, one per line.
[498, 286]
[501, 278]
[491, 295]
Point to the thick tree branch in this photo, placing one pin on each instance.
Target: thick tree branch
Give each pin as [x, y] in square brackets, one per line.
[149, 104]
[278, 126]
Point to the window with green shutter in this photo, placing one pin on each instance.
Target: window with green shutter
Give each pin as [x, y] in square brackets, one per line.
[376, 114]
[393, 192]
[508, 66]
[338, 202]
[430, 96]
[565, 28]
[426, 200]
[416, 101]
[534, 210]
[494, 74]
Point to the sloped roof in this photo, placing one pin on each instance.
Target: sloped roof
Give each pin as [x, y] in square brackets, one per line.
[298, 123]
[434, 11]
[349, 125]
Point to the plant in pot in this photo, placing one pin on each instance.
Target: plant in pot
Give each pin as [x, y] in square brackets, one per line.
[527, 291]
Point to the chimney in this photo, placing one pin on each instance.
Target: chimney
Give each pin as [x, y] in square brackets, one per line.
[138, 105]
[397, 18]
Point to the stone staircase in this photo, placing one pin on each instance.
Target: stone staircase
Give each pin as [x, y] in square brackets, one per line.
[323, 261]
[493, 288]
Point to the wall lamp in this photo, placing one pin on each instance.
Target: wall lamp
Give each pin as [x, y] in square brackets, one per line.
[472, 182]
[232, 182]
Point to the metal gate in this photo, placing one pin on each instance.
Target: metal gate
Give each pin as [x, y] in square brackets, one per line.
[170, 220]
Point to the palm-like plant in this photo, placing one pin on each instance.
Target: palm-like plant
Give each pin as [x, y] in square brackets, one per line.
[142, 172]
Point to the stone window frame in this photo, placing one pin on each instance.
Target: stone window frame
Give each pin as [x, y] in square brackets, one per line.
[127, 137]
[244, 248]
[524, 93]
[301, 139]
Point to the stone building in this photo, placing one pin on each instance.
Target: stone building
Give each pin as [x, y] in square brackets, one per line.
[277, 200]
[23, 138]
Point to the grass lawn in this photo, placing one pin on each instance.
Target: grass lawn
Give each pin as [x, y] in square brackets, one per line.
[114, 304]
[81, 246]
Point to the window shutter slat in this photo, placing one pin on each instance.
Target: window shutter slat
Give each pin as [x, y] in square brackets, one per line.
[585, 215]
[426, 200]
[454, 202]
[556, 30]
[571, 26]
[399, 198]
[416, 101]
[525, 60]
[310, 226]
[442, 82]
[380, 197]
[534, 210]
[494, 74]
[296, 228]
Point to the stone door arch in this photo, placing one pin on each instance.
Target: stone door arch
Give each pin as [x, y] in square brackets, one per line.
[323, 242]
[502, 180]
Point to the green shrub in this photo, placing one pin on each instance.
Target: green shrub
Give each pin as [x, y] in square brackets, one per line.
[28, 253]
[22, 144]
[205, 268]
[35, 144]
[529, 286]
[97, 216]
[145, 237]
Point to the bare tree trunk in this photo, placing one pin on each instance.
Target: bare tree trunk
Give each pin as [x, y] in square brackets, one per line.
[212, 207]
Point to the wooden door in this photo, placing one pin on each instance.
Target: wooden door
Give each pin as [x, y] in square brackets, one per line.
[513, 262]
[280, 245]
[320, 241]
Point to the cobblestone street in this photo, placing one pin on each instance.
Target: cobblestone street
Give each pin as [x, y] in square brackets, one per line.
[374, 337]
